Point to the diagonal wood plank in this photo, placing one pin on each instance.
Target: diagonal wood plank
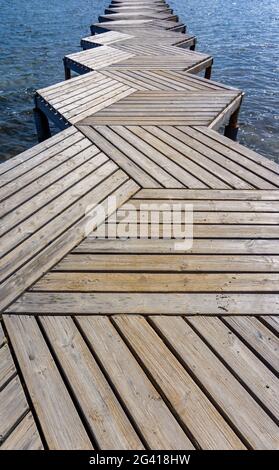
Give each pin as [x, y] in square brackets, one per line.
[197, 413]
[156, 423]
[13, 407]
[105, 416]
[49, 254]
[24, 437]
[43, 380]
[253, 423]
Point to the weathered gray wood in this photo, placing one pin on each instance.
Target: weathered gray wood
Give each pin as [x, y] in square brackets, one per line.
[241, 409]
[245, 365]
[155, 422]
[175, 263]
[209, 194]
[157, 282]
[162, 303]
[260, 338]
[24, 437]
[112, 381]
[271, 322]
[194, 409]
[2, 336]
[7, 367]
[52, 402]
[200, 246]
[92, 391]
[13, 407]
[54, 251]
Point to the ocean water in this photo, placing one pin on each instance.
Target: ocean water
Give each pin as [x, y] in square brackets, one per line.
[242, 36]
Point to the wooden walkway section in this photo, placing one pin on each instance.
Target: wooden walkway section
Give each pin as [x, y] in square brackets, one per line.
[103, 312]
[119, 57]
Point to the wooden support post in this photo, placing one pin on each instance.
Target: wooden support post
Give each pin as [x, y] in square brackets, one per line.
[42, 125]
[193, 47]
[208, 71]
[231, 129]
[67, 71]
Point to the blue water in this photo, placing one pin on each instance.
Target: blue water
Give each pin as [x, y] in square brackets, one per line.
[242, 35]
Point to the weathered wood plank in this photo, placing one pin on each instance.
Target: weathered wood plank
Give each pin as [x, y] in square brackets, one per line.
[272, 322]
[140, 173]
[154, 421]
[167, 263]
[7, 367]
[77, 183]
[30, 201]
[60, 246]
[79, 201]
[21, 175]
[200, 246]
[98, 58]
[24, 437]
[235, 402]
[209, 194]
[259, 337]
[184, 170]
[169, 215]
[13, 407]
[233, 159]
[105, 416]
[150, 303]
[37, 149]
[155, 282]
[106, 39]
[45, 384]
[2, 336]
[259, 380]
[177, 231]
[221, 206]
[236, 147]
[195, 411]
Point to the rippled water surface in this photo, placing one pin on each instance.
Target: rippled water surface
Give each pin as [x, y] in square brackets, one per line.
[242, 35]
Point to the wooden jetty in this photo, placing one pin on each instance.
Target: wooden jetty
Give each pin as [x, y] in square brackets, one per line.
[132, 343]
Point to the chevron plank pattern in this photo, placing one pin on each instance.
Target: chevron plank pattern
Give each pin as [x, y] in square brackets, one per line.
[139, 256]
[108, 56]
[116, 96]
[138, 38]
[140, 23]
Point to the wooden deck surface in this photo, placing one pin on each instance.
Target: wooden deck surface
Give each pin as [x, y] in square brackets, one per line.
[165, 59]
[111, 340]
[124, 96]
[205, 383]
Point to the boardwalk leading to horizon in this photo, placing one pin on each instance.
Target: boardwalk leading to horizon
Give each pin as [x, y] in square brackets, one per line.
[114, 343]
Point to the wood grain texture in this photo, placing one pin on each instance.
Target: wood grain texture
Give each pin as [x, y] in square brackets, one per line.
[155, 422]
[49, 394]
[246, 365]
[155, 303]
[13, 407]
[24, 437]
[165, 263]
[145, 282]
[133, 343]
[196, 412]
[7, 367]
[259, 337]
[106, 418]
[248, 417]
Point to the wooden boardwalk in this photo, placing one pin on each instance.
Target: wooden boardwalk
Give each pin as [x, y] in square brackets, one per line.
[98, 321]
